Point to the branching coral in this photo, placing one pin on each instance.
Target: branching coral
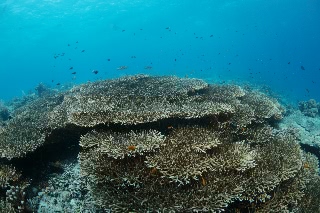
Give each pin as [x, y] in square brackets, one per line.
[172, 144]
[7, 174]
[198, 168]
[6, 207]
[27, 130]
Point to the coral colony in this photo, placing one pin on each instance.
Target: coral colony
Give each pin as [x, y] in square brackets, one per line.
[161, 144]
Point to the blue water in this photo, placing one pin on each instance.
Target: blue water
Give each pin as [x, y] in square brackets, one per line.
[255, 41]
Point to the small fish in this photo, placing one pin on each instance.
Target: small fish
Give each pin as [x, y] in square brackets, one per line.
[70, 68]
[167, 28]
[108, 59]
[289, 62]
[302, 67]
[307, 90]
[131, 148]
[123, 30]
[68, 45]
[122, 68]
[77, 42]
[133, 56]
[203, 181]
[73, 73]
[148, 67]
[211, 35]
[58, 84]
[95, 71]
[153, 171]
[83, 51]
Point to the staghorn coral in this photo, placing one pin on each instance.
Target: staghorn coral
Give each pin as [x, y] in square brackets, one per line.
[194, 168]
[298, 194]
[137, 100]
[7, 174]
[128, 101]
[183, 147]
[27, 130]
[170, 144]
[13, 187]
[6, 207]
[120, 145]
[263, 106]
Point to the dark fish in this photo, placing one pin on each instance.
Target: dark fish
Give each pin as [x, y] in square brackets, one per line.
[302, 67]
[175, 59]
[83, 51]
[167, 28]
[58, 84]
[307, 90]
[77, 42]
[70, 68]
[68, 45]
[133, 56]
[73, 73]
[289, 62]
[95, 71]
[211, 35]
[229, 63]
[123, 30]
[108, 59]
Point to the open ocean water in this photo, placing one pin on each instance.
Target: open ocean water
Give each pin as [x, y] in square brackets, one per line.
[54, 45]
[254, 41]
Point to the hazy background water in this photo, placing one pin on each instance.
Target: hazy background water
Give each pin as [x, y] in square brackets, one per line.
[256, 41]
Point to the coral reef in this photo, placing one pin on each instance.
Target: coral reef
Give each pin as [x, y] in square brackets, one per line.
[158, 144]
[4, 113]
[6, 207]
[309, 108]
[43, 90]
[308, 128]
[28, 128]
